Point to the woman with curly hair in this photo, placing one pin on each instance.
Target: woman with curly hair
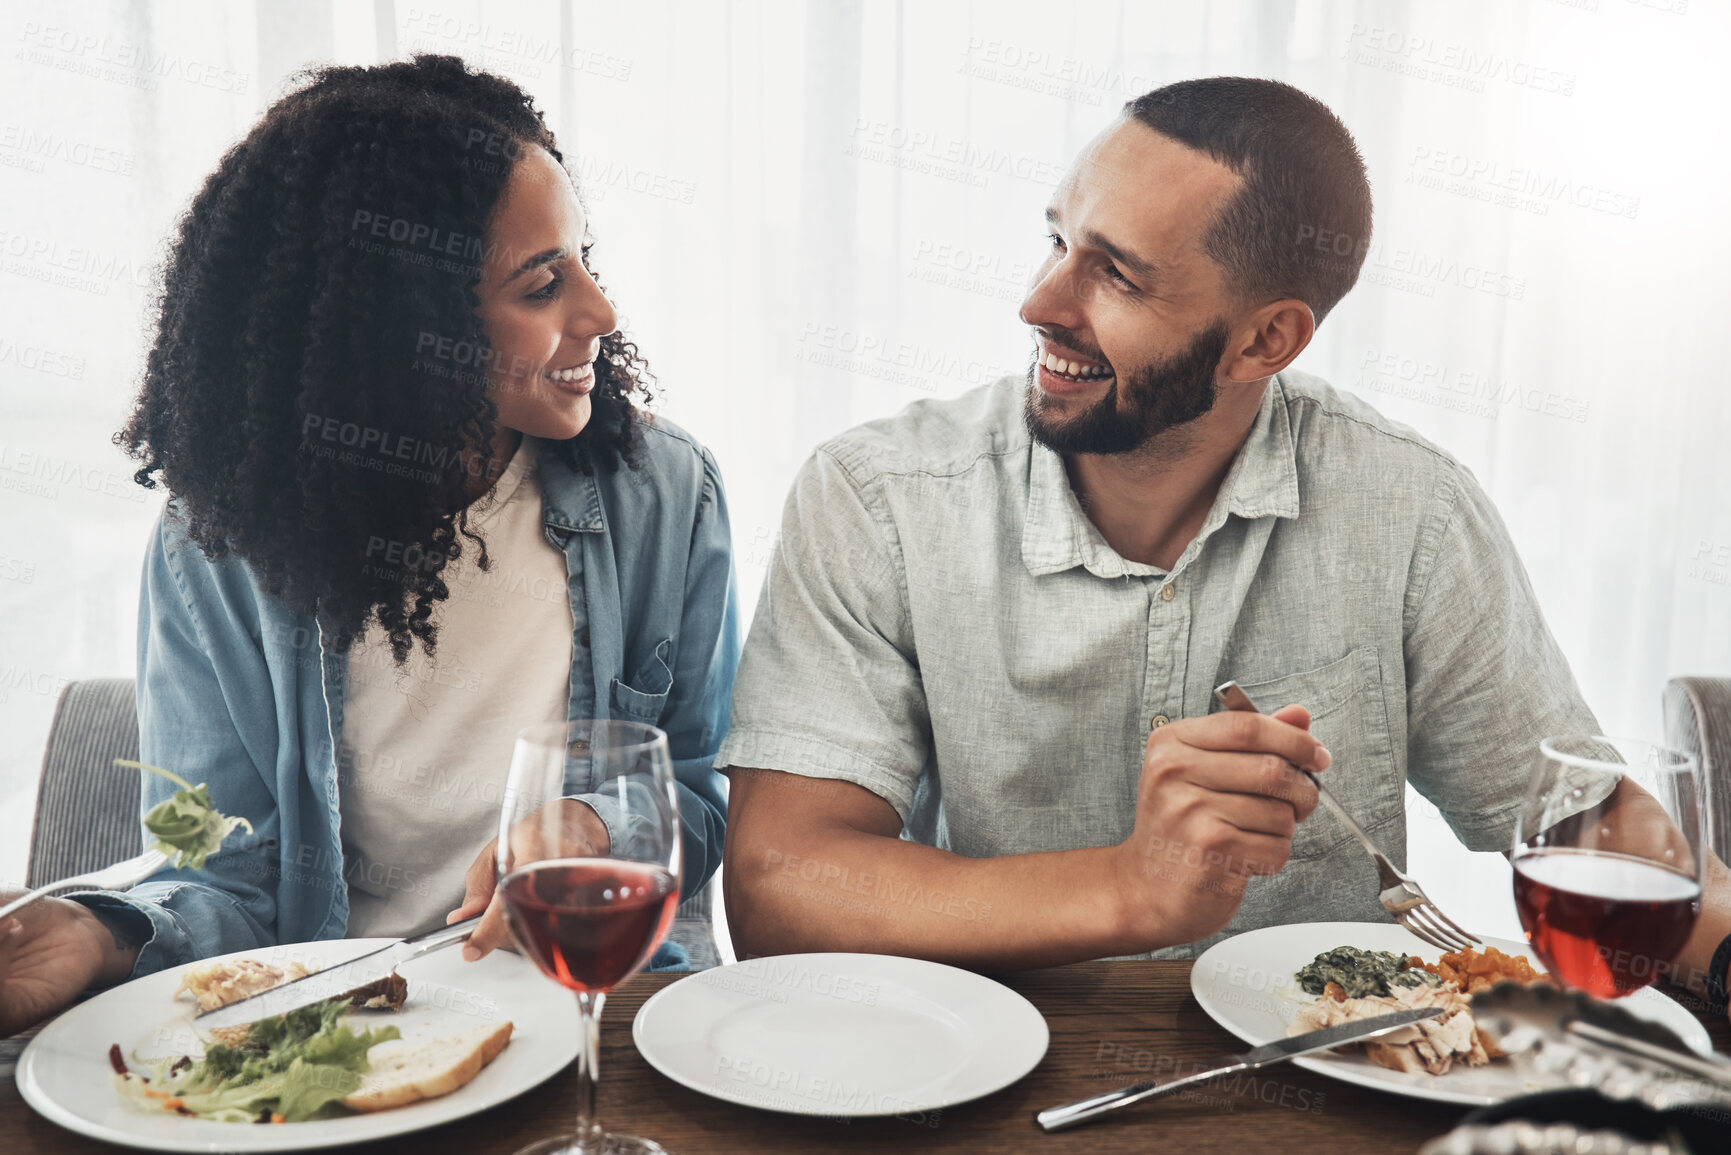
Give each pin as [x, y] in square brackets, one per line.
[413, 508]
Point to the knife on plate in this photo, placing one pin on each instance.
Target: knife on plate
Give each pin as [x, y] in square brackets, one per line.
[333, 981]
[1070, 1114]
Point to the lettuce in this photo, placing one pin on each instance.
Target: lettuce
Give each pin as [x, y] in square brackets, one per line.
[308, 1087]
[295, 1065]
[187, 827]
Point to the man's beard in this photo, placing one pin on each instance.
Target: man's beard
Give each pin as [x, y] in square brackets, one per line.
[1158, 397]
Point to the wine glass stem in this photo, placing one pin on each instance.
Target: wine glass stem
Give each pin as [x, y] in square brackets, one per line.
[589, 1133]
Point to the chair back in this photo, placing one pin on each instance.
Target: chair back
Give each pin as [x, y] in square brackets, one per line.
[1698, 720]
[86, 807]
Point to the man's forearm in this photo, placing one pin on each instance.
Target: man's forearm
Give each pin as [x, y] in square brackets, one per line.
[849, 890]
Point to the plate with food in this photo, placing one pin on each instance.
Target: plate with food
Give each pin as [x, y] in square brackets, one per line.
[1266, 984]
[445, 1039]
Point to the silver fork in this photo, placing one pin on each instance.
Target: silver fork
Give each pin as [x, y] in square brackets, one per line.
[120, 876]
[1401, 895]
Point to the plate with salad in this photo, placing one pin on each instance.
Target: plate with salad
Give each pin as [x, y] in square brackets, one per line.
[130, 1066]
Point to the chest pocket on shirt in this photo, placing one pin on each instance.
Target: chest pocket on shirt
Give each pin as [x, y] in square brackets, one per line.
[1347, 714]
[646, 695]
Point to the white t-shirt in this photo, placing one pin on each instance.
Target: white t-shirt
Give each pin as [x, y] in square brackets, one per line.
[426, 748]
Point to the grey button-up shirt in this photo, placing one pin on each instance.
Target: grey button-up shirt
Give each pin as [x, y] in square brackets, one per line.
[944, 626]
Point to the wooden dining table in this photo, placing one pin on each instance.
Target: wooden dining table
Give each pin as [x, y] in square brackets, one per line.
[1112, 1023]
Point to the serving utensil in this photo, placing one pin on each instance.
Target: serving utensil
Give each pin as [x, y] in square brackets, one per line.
[1401, 895]
[1070, 1114]
[1568, 1038]
[120, 876]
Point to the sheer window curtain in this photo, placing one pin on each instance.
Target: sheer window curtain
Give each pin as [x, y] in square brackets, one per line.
[813, 214]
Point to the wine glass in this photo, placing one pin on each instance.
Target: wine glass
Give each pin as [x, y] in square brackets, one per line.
[590, 916]
[1608, 860]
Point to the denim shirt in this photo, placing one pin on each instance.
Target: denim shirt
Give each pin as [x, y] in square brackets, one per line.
[238, 691]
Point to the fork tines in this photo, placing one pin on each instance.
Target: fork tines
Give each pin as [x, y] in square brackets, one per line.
[1436, 928]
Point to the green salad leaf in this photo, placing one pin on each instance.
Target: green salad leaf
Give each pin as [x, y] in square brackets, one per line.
[307, 1088]
[186, 826]
[295, 1065]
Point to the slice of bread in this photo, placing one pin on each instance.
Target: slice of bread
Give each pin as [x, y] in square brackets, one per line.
[405, 1072]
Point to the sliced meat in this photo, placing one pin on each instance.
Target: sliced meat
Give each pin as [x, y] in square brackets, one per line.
[1431, 1046]
[387, 993]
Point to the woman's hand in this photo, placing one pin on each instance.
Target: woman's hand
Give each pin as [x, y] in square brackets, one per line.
[50, 952]
[582, 834]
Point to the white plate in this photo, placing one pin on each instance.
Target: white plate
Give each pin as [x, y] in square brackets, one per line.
[841, 1034]
[64, 1073]
[1246, 985]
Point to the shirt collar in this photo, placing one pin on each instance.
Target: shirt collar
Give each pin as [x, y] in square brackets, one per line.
[1263, 482]
[570, 498]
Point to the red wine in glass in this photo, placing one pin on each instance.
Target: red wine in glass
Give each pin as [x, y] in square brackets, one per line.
[590, 908]
[590, 923]
[1604, 923]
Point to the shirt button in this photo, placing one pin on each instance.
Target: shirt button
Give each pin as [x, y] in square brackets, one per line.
[584, 637]
[1167, 593]
[1159, 721]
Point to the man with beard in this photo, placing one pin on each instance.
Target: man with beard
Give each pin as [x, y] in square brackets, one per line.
[974, 718]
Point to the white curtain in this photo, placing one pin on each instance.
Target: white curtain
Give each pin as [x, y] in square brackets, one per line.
[812, 214]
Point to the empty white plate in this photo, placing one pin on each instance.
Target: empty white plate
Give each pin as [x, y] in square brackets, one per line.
[841, 1034]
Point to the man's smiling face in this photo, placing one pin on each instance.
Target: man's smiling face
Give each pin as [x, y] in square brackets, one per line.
[1131, 316]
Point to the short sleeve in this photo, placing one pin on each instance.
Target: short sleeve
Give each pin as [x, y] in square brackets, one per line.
[1486, 681]
[829, 683]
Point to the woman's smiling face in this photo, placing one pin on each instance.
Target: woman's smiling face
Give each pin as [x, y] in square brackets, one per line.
[543, 313]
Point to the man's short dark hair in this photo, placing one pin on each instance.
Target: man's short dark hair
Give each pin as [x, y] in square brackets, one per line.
[1300, 225]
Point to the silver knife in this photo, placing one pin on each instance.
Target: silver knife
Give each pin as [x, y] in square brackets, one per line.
[1070, 1114]
[329, 983]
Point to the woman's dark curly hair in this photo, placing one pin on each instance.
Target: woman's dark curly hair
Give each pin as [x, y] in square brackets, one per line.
[314, 389]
